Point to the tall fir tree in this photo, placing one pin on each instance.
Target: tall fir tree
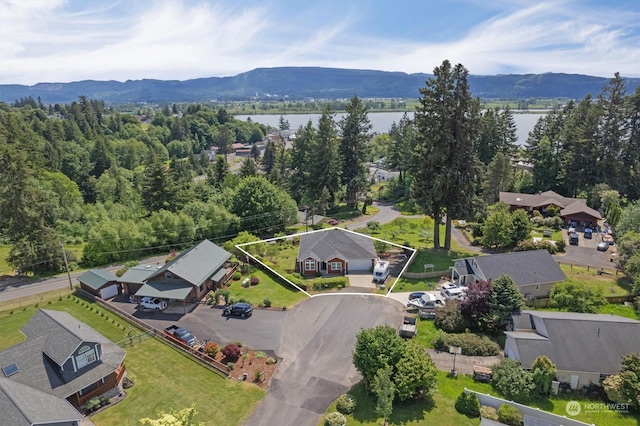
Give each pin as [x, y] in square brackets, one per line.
[355, 131]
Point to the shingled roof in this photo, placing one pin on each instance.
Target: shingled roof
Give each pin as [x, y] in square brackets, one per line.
[336, 243]
[524, 267]
[576, 341]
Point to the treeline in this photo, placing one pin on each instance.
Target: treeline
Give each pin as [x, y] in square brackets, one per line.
[125, 185]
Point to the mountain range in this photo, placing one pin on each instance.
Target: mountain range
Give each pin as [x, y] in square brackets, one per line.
[296, 83]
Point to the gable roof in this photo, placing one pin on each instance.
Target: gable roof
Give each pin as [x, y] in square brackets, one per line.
[580, 207]
[576, 341]
[64, 333]
[39, 370]
[335, 242]
[18, 408]
[524, 267]
[138, 274]
[197, 264]
[96, 278]
[568, 205]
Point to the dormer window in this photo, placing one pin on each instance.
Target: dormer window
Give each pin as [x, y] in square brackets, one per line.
[86, 355]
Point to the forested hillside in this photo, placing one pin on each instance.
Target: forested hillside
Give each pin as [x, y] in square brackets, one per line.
[297, 83]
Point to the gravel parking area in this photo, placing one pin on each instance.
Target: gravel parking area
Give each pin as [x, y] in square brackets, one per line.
[464, 363]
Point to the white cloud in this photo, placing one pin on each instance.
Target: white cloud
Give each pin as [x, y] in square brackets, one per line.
[49, 40]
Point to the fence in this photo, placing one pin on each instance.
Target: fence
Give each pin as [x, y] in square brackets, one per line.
[421, 275]
[545, 303]
[150, 331]
[598, 269]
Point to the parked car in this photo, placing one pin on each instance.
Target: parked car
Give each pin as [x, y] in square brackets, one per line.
[416, 295]
[573, 239]
[153, 303]
[426, 301]
[447, 286]
[602, 246]
[181, 334]
[588, 233]
[456, 293]
[240, 309]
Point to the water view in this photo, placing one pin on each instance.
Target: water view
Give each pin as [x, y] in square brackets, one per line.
[382, 121]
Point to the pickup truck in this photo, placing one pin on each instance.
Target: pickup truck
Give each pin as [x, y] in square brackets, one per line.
[181, 334]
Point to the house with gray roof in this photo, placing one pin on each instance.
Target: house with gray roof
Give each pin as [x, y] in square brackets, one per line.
[190, 275]
[134, 278]
[573, 211]
[334, 252]
[100, 283]
[584, 347]
[534, 272]
[62, 357]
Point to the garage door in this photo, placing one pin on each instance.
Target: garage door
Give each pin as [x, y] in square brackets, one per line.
[109, 292]
[359, 265]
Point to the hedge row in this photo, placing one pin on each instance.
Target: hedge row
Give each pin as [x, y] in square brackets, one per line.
[471, 344]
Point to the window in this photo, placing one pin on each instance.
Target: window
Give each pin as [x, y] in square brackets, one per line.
[309, 265]
[86, 356]
[537, 287]
[336, 266]
[168, 275]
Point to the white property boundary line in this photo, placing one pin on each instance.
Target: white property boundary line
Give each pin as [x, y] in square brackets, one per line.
[287, 237]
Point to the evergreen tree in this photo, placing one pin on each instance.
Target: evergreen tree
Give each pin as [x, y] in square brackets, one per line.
[505, 300]
[248, 168]
[444, 166]
[498, 178]
[324, 173]
[354, 129]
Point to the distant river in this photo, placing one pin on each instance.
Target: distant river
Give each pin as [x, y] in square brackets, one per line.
[382, 121]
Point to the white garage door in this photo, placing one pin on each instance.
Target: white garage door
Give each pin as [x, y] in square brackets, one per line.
[359, 265]
[109, 292]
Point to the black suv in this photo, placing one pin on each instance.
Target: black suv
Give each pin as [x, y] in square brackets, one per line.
[240, 309]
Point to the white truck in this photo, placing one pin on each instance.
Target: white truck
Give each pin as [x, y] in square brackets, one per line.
[380, 271]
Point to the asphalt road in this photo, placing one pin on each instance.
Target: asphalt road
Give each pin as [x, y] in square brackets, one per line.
[387, 213]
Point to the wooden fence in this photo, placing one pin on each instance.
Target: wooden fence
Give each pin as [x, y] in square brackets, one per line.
[598, 269]
[545, 303]
[201, 357]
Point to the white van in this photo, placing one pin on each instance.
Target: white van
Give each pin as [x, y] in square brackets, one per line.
[454, 293]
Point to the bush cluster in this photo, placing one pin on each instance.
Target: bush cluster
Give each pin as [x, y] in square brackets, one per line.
[554, 222]
[489, 413]
[335, 419]
[211, 349]
[471, 344]
[552, 248]
[509, 415]
[346, 403]
[331, 282]
[468, 404]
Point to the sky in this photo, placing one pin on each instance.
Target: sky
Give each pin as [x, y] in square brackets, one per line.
[72, 40]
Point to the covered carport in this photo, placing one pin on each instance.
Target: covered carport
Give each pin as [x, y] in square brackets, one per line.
[179, 292]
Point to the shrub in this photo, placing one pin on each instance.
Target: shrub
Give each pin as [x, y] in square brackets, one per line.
[449, 318]
[258, 375]
[270, 361]
[211, 349]
[237, 343]
[127, 382]
[373, 225]
[237, 275]
[489, 413]
[346, 404]
[468, 404]
[471, 344]
[509, 415]
[230, 366]
[255, 280]
[220, 293]
[260, 355]
[335, 419]
[266, 302]
[231, 352]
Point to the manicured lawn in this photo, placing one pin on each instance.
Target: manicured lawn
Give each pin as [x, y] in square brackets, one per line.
[441, 259]
[409, 284]
[426, 332]
[440, 410]
[589, 278]
[626, 311]
[164, 378]
[268, 288]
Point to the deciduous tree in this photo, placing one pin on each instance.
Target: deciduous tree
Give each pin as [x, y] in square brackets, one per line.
[574, 297]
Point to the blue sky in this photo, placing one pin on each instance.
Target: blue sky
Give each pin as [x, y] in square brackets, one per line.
[71, 40]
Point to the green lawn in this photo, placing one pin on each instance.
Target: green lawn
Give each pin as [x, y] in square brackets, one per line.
[440, 409]
[164, 378]
[441, 259]
[609, 284]
[269, 288]
[409, 284]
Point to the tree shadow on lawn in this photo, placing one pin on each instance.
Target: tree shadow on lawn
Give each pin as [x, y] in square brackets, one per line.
[403, 412]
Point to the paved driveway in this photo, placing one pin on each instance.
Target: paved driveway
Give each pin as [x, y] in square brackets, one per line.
[316, 344]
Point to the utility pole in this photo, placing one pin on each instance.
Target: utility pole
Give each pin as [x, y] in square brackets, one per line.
[66, 264]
